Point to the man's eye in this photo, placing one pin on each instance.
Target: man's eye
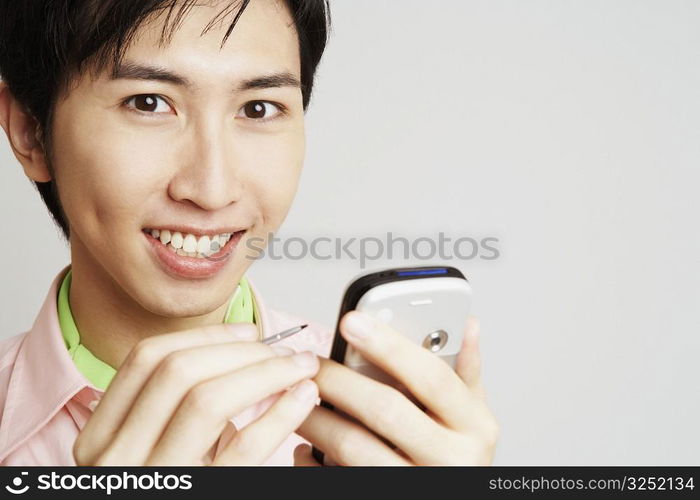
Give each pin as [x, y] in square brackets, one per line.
[258, 110]
[148, 103]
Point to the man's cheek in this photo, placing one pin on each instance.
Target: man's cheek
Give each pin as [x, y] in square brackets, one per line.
[101, 204]
[277, 203]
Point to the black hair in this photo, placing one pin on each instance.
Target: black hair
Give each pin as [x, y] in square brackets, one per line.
[44, 44]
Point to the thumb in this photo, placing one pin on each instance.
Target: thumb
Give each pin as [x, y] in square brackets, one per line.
[303, 457]
[469, 358]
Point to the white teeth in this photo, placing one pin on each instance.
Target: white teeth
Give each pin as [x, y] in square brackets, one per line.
[176, 240]
[215, 244]
[190, 243]
[204, 244]
[165, 236]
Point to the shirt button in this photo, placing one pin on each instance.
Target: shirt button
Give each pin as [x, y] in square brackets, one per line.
[93, 404]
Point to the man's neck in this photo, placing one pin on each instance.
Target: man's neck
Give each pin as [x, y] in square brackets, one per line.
[111, 323]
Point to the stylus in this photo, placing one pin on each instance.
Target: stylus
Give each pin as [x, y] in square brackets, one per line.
[283, 334]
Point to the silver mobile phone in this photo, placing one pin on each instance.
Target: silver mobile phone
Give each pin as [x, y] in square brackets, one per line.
[429, 305]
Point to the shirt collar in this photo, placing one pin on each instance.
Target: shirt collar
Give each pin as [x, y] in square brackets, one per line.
[44, 377]
[241, 307]
[94, 369]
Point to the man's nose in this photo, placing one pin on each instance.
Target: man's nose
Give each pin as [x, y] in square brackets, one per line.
[208, 173]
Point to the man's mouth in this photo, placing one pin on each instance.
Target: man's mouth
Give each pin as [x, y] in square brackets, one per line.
[189, 244]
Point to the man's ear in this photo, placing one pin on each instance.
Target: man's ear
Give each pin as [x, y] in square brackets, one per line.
[22, 131]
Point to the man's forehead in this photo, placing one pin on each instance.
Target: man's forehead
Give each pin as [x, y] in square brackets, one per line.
[261, 22]
[262, 38]
[262, 51]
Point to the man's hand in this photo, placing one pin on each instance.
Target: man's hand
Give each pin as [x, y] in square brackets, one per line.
[457, 427]
[171, 398]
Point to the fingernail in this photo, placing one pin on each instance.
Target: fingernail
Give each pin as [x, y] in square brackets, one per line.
[282, 351]
[305, 359]
[304, 391]
[359, 325]
[244, 332]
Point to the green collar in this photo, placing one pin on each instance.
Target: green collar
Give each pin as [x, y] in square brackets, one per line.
[241, 308]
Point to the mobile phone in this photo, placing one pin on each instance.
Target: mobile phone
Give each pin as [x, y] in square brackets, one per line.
[429, 305]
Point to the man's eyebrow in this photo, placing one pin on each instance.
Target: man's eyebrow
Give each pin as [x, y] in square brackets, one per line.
[135, 71]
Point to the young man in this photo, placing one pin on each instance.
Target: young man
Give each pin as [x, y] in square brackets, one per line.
[162, 139]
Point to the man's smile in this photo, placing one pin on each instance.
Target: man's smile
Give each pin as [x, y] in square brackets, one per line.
[189, 244]
[191, 255]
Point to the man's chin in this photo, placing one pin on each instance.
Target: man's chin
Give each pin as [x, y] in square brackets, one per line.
[185, 307]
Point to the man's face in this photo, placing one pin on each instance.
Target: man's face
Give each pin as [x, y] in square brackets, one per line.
[135, 153]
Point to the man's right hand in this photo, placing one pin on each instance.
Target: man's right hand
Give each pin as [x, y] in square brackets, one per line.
[172, 397]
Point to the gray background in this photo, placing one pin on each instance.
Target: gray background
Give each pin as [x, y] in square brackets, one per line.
[570, 130]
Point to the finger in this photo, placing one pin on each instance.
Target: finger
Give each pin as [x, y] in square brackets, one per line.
[204, 411]
[160, 396]
[468, 365]
[384, 410]
[424, 374]
[346, 442]
[303, 457]
[254, 444]
[133, 373]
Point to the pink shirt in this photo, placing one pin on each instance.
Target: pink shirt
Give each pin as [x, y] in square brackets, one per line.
[45, 400]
